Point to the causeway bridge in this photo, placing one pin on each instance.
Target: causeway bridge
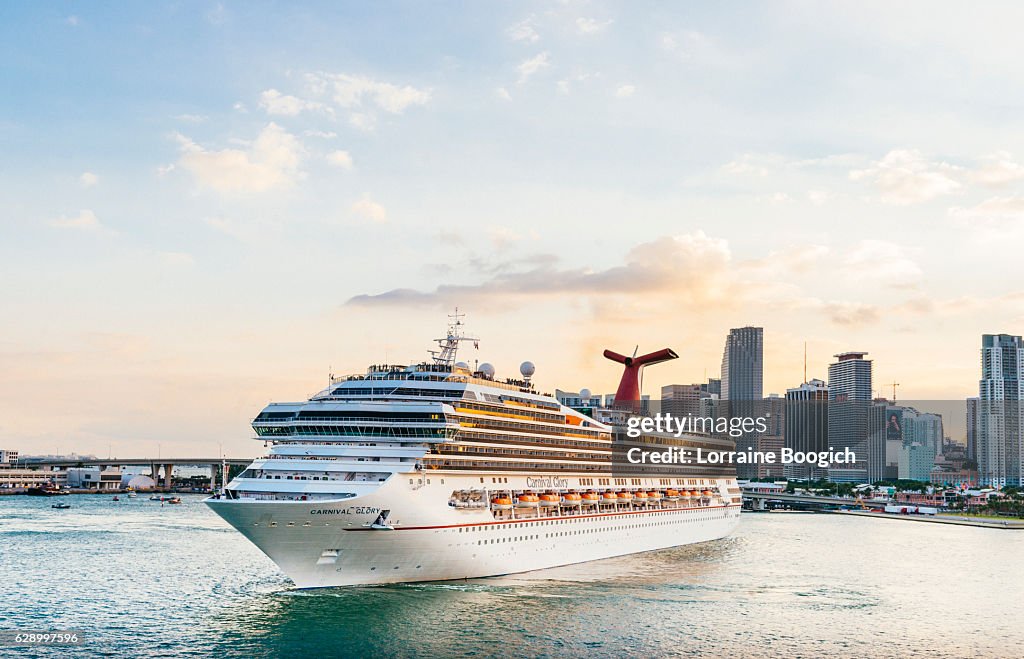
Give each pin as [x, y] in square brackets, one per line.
[157, 466]
[761, 500]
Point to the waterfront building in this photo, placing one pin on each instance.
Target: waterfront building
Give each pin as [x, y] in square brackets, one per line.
[849, 394]
[93, 478]
[8, 457]
[772, 445]
[13, 478]
[916, 462]
[877, 441]
[806, 426]
[998, 445]
[683, 399]
[972, 428]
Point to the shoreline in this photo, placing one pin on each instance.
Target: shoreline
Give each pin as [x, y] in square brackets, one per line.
[938, 519]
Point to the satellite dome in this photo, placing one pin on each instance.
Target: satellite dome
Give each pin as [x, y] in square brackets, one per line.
[527, 369]
[585, 394]
[487, 369]
[462, 365]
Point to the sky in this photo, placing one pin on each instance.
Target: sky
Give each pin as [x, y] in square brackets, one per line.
[205, 207]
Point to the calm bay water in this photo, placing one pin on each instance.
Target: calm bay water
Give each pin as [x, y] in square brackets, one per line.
[139, 578]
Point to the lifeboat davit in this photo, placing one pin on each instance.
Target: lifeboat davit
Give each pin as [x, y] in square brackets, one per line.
[549, 500]
[672, 495]
[528, 501]
[640, 498]
[501, 503]
[572, 499]
[590, 498]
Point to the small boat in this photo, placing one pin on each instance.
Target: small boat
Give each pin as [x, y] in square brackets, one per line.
[156, 497]
[117, 498]
[501, 503]
[132, 495]
[528, 501]
[654, 496]
[609, 497]
[624, 497]
[174, 500]
[572, 499]
[672, 495]
[640, 498]
[549, 500]
[590, 499]
[61, 506]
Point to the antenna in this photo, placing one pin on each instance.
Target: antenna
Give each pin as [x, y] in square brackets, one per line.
[805, 362]
[449, 346]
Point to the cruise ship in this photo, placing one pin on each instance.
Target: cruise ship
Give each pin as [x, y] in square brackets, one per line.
[442, 471]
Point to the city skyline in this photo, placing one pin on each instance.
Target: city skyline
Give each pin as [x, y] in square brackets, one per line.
[204, 210]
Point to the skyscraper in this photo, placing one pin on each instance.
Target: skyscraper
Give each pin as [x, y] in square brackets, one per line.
[849, 396]
[806, 426]
[743, 364]
[999, 413]
[742, 384]
[972, 428]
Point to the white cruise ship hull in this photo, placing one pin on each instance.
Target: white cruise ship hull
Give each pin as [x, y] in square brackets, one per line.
[325, 543]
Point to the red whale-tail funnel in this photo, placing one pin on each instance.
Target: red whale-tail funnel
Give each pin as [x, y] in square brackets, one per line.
[629, 385]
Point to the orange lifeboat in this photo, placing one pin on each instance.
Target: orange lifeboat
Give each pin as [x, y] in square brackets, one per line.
[672, 495]
[549, 500]
[590, 498]
[501, 503]
[624, 497]
[609, 497]
[706, 493]
[640, 498]
[654, 496]
[571, 499]
[528, 501]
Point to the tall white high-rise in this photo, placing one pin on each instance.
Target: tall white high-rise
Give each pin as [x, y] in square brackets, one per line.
[1000, 421]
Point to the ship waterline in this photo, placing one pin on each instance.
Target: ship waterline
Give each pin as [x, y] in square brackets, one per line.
[436, 471]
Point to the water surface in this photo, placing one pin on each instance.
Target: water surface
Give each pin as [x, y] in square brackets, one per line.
[140, 578]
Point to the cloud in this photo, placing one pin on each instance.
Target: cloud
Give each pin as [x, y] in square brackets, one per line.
[88, 179]
[851, 313]
[994, 211]
[523, 31]
[274, 102]
[906, 177]
[591, 25]
[689, 266]
[269, 162]
[322, 134]
[503, 94]
[625, 91]
[370, 210]
[86, 220]
[72, 20]
[883, 262]
[340, 159]
[190, 118]
[531, 66]
[998, 170]
[353, 91]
